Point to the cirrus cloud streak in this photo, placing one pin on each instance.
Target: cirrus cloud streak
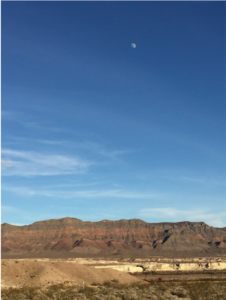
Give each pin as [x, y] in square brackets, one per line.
[29, 163]
[169, 214]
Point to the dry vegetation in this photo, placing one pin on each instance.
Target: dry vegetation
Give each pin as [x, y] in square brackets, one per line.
[113, 290]
[49, 280]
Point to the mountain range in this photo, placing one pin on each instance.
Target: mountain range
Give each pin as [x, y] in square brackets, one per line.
[71, 237]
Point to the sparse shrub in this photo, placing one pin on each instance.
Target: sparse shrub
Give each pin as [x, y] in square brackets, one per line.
[115, 291]
[56, 286]
[115, 281]
[162, 287]
[108, 284]
[87, 291]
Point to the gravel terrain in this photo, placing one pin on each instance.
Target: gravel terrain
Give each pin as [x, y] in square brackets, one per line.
[115, 291]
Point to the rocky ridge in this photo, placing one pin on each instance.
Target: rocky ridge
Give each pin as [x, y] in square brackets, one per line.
[133, 237]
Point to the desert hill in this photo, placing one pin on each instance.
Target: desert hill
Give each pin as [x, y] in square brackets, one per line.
[75, 238]
[43, 273]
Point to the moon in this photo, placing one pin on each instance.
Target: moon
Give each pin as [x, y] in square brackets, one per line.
[133, 45]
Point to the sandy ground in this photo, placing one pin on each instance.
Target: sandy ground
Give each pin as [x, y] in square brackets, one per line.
[17, 273]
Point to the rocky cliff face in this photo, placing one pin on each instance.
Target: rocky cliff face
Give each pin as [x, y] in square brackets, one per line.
[126, 237]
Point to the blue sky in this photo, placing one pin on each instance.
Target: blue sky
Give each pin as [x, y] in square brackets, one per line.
[95, 129]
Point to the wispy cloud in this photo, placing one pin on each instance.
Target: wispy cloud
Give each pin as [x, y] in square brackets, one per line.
[8, 115]
[70, 194]
[99, 149]
[15, 116]
[21, 140]
[9, 209]
[25, 163]
[184, 176]
[169, 214]
[90, 146]
[7, 163]
[29, 121]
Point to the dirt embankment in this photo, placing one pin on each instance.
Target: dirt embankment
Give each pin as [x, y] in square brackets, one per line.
[16, 273]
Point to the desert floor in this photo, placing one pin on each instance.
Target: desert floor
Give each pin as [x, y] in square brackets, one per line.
[48, 279]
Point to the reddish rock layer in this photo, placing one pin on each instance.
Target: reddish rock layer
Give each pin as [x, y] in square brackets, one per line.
[130, 237]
